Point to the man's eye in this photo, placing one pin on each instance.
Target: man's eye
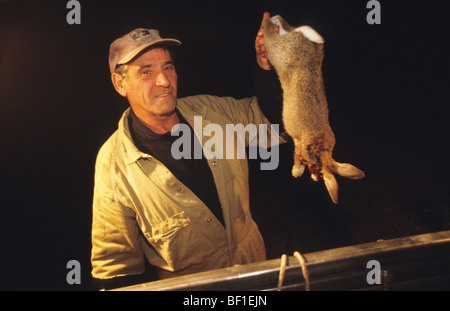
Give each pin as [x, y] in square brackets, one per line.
[171, 67]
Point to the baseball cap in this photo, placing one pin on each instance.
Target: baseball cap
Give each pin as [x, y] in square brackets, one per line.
[125, 48]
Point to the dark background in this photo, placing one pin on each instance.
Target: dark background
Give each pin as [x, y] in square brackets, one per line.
[387, 88]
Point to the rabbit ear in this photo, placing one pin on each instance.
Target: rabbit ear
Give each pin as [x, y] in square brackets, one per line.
[277, 21]
[310, 34]
[348, 170]
[332, 186]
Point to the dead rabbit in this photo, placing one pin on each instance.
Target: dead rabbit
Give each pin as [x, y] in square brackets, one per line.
[297, 54]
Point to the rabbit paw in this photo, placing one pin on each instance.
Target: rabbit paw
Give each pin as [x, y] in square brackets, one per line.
[298, 170]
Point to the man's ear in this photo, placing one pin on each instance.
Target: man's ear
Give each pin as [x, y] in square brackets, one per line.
[119, 84]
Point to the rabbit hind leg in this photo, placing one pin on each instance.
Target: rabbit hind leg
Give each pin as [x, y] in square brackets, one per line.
[299, 167]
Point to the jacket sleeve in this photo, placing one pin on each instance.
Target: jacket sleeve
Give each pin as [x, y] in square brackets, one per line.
[242, 115]
[115, 247]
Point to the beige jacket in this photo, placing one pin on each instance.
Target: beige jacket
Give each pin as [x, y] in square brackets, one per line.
[141, 210]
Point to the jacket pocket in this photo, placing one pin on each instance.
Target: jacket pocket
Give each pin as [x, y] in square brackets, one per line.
[183, 246]
[169, 229]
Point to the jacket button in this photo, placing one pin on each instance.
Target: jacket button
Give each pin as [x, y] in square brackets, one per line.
[214, 163]
[209, 220]
[178, 188]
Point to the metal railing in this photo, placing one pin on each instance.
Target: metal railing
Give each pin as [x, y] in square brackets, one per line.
[420, 262]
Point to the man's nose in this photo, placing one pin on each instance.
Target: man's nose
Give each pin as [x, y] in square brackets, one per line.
[162, 80]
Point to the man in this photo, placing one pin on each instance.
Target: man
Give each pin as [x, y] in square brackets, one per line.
[180, 216]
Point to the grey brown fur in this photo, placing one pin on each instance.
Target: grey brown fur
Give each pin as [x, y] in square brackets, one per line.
[297, 55]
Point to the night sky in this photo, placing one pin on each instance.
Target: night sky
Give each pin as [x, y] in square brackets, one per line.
[387, 87]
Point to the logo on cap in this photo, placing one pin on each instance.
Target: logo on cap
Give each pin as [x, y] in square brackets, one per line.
[140, 34]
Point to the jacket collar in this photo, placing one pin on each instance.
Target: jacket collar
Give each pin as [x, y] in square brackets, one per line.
[131, 152]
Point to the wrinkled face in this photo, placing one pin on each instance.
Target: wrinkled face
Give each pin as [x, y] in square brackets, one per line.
[151, 84]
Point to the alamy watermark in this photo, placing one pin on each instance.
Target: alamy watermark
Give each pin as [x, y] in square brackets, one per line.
[74, 275]
[74, 15]
[374, 15]
[228, 143]
[374, 275]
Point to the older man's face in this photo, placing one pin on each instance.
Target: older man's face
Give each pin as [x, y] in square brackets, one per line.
[151, 84]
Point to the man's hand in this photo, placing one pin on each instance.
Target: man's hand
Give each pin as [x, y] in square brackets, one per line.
[261, 54]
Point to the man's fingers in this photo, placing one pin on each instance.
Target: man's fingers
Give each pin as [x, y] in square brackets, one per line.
[260, 34]
[260, 41]
[266, 15]
[261, 54]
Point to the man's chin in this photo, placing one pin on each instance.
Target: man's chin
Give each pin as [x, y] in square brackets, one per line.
[166, 112]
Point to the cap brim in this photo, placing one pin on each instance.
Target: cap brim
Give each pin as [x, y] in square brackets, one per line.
[163, 42]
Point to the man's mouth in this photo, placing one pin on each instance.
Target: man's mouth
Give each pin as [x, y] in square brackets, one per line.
[164, 95]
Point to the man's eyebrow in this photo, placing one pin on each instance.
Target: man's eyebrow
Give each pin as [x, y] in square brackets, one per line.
[145, 66]
[169, 62]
